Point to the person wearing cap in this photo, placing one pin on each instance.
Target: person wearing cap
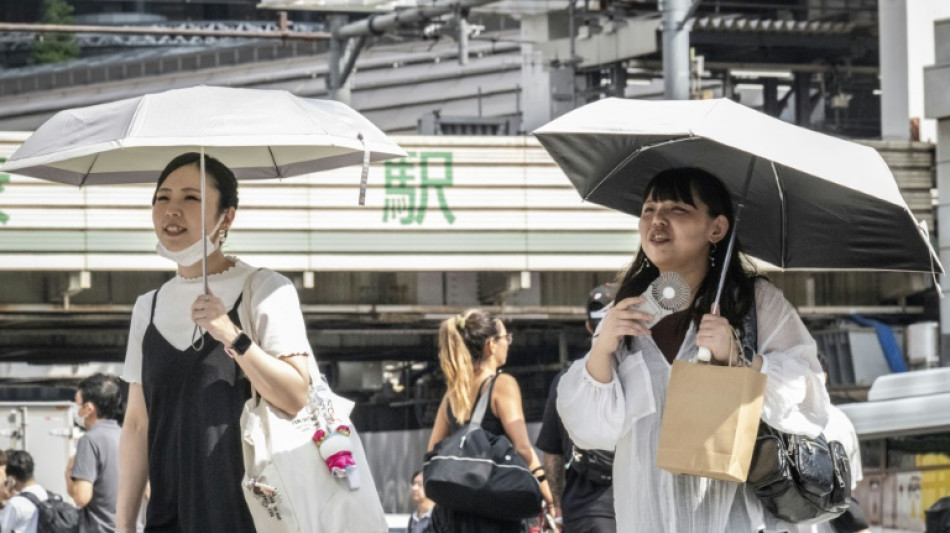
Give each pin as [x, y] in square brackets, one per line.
[581, 480]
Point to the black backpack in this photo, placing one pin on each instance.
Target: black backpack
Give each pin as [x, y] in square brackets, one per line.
[55, 515]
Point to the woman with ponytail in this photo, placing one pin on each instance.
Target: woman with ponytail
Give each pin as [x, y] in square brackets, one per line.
[473, 347]
[615, 396]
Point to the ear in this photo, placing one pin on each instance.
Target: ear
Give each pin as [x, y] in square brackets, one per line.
[489, 348]
[228, 218]
[719, 229]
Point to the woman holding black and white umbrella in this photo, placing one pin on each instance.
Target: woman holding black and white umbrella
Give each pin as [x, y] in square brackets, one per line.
[616, 398]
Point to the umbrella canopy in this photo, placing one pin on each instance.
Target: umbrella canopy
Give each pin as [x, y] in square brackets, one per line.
[813, 201]
[259, 134]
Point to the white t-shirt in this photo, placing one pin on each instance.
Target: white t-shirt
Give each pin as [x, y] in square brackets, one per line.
[20, 515]
[278, 322]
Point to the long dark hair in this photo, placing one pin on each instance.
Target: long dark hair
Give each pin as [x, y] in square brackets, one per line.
[686, 185]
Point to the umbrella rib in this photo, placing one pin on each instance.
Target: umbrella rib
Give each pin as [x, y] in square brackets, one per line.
[85, 176]
[270, 150]
[783, 213]
[626, 161]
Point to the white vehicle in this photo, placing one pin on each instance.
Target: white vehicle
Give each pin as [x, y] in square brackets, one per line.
[904, 429]
[47, 432]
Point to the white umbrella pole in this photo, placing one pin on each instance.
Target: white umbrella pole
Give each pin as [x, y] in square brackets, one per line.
[197, 337]
[204, 229]
[704, 354]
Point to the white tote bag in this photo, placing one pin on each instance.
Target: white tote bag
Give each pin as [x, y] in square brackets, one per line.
[287, 483]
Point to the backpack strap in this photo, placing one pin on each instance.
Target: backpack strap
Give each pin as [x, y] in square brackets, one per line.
[32, 497]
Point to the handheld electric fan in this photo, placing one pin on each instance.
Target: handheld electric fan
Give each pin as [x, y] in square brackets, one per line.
[666, 295]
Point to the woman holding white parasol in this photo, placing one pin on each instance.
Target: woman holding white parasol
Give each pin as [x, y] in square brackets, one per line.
[181, 428]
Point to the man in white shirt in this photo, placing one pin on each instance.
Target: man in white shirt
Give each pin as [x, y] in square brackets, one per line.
[20, 515]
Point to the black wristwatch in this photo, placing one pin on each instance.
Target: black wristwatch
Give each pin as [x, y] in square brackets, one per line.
[241, 343]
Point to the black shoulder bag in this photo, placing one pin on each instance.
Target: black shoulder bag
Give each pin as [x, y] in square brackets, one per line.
[597, 466]
[477, 472]
[798, 479]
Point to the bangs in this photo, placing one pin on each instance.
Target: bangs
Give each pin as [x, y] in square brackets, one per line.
[670, 186]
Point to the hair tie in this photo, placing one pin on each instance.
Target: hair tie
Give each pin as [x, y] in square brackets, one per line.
[460, 322]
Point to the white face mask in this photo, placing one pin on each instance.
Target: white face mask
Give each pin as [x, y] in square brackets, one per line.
[77, 419]
[193, 253]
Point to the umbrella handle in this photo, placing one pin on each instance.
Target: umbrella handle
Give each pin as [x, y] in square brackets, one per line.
[704, 355]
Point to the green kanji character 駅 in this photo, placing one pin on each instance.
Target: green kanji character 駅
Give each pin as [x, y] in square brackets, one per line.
[400, 202]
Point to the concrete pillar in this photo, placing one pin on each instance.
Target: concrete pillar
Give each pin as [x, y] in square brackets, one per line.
[545, 82]
[937, 106]
[906, 46]
[675, 49]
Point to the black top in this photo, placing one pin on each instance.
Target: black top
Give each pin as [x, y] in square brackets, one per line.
[194, 401]
[582, 497]
[490, 422]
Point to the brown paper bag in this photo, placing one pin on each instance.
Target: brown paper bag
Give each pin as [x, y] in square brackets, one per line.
[710, 420]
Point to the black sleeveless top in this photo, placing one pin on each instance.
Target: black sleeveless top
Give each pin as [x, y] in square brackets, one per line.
[194, 401]
[490, 422]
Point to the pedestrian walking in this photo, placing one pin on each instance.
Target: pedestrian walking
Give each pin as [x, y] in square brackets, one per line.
[190, 364]
[92, 474]
[472, 349]
[21, 515]
[421, 516]
[581, 480]
[615, 399]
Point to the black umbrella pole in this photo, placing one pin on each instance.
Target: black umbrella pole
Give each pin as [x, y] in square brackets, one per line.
[704, 354]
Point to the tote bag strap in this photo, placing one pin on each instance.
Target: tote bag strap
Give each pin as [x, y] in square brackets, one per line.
[246, 316]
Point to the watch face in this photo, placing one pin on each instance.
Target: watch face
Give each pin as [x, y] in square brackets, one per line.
[241, 343]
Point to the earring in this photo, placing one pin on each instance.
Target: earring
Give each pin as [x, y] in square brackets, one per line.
[646, 262]
[712, 256]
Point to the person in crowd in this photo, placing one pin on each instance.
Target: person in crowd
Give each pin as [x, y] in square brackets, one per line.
[472, 348]
[189, 363]
[20, 514]
[5, 488]
[615, 399]
[581, 480]
[92, 475]
[421, 516]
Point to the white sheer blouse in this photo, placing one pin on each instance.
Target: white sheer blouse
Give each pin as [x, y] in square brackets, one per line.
[626, 412]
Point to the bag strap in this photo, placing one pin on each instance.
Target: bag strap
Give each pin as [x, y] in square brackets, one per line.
[318, 386]
[32, 498]
[245, 312]
[750, 331]
[479, 413]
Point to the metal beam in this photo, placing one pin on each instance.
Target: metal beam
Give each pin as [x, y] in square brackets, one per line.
[690, 13]
[653, 64]
[188, 32]
[378, 24]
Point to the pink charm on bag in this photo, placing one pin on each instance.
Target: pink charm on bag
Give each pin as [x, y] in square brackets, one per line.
[337, 450]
